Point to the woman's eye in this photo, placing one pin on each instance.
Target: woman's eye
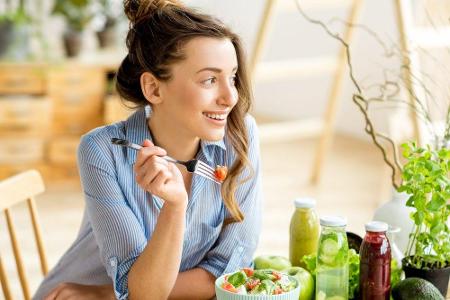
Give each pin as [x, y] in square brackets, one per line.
[210, 81]
[233, 80]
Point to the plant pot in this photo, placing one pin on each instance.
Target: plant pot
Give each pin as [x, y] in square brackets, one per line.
[107, 37]
[15, 41]
[73, 42]
[438, 277]
[6, 34]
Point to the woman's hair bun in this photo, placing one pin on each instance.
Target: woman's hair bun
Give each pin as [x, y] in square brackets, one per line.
[137, 10]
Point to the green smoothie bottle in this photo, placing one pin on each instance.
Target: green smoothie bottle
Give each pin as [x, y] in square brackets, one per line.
[304, 231]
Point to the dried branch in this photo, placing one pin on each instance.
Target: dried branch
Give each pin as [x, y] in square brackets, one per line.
[360, 100]
[388, 90]
[369, 128]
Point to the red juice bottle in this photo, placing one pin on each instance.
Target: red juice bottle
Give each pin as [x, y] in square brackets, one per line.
[375, 263]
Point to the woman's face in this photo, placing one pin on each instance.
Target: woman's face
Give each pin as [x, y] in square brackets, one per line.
[201, 93]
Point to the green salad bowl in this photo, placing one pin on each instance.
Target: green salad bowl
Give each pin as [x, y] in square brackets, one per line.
[222, 294]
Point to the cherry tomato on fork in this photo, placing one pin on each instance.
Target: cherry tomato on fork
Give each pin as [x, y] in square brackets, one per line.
[220, 173]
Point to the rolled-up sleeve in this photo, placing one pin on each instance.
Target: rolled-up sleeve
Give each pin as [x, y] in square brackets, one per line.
[118, 232]
[238, 241]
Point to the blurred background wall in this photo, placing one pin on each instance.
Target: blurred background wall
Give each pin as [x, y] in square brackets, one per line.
[291, 36]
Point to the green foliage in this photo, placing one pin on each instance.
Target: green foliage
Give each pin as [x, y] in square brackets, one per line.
[353, 273]
[237, 279]
[426, 179]
[78, 13]
[310, 262]
[17, 15]
[396, 273]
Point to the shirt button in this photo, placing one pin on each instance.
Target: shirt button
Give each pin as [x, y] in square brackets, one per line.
[112, 262]
[240, 249]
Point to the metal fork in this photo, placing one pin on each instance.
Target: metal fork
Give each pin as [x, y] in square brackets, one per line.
[193, 166]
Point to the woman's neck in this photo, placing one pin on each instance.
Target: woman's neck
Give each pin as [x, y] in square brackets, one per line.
[170, 138]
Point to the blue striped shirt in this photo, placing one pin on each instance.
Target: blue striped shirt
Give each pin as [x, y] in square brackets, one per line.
[120, 216]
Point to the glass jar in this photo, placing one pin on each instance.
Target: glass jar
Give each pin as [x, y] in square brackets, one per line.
[332, 260]
[303, 231]
[375, 263]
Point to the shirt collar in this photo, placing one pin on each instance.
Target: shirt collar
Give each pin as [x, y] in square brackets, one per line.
[136, 131]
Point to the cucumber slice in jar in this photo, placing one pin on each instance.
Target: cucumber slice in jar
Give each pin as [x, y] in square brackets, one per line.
[327, 259]
[330, 247]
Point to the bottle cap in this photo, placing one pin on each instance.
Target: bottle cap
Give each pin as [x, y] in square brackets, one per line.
[376, 226]
[305, 202]
[333, 221]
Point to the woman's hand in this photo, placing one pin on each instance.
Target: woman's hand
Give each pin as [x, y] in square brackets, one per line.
[159, 177]
[69, 291]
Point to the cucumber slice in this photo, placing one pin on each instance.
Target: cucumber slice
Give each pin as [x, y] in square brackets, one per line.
[327, 259]
[330, 247]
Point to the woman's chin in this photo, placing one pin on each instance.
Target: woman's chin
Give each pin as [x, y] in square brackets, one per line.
[214, 136]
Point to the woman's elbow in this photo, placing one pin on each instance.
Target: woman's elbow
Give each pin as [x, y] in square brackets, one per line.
[140, 289]
[149, 292]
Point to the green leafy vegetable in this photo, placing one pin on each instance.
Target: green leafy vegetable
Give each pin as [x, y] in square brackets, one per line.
[237, 279]
[353, 273]
[396, 273]
[426, 180]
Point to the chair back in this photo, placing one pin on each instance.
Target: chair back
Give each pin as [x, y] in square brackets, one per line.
[13, 190]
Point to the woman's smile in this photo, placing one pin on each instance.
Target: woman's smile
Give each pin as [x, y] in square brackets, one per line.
[216, 118]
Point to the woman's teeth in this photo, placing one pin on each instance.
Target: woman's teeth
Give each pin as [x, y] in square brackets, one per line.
[216, 116]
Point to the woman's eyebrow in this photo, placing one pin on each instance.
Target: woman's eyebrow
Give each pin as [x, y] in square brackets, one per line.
[215, 70]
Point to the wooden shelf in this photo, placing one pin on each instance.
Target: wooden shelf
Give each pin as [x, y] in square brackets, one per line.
[46, 107]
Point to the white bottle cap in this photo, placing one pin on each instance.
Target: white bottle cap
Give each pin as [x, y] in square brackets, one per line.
[376, 226]
[333, 221]
[305, 202]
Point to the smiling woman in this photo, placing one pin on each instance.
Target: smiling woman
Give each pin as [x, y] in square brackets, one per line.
[151, 228]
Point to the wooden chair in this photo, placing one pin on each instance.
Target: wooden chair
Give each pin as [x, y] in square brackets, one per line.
[13, 190]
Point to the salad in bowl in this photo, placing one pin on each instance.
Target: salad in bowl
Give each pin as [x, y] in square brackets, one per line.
[257, 284]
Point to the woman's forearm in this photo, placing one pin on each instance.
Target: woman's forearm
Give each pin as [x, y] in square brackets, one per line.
[156, 270]
[195, 284]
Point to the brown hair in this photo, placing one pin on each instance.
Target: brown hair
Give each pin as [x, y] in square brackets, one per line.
[158, 31]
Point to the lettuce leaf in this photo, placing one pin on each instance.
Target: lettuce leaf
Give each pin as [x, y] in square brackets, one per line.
[237, 279]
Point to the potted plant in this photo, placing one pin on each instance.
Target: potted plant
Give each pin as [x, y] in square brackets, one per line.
[14, 31]
[108, 12]
[426, 178]
[77, 14]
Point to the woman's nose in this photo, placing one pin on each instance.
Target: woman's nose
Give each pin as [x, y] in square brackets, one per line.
[228, 95]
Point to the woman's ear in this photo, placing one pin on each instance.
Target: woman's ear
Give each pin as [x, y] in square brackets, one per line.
[150, 88]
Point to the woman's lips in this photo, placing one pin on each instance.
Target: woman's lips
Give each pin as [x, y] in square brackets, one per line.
[214, 121]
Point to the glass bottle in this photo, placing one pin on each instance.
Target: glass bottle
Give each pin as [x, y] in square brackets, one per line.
[375, 263]
[332, 260]
[304, 231]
